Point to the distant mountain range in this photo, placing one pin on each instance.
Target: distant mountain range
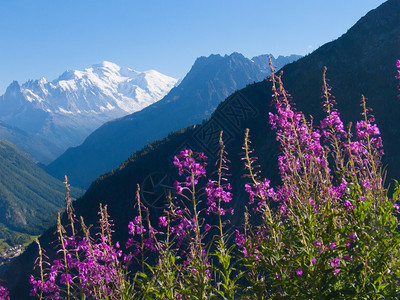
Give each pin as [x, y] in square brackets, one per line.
[208, 83]
[361, 61]
[66, 110]
[29, 197]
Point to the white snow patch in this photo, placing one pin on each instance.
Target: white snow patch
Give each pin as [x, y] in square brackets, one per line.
[60, 109]
[109, 106]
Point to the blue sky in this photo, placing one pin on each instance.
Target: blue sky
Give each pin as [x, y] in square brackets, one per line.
[43, 38]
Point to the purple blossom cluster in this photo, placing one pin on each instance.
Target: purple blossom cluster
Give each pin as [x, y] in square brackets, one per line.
[186, 163]
[95, 268]
[368, 134]
[191, 166]
[213, 193]
[249, 247]
[136, 228]
[261, 190]
[86, 266]
[332, 124]
[4, 294]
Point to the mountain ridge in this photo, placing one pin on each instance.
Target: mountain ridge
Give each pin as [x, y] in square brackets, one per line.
[210, 80]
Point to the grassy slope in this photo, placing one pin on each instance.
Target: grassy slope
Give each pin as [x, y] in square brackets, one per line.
[29, 197]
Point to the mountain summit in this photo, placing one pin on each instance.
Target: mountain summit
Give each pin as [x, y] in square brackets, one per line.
[67, 109]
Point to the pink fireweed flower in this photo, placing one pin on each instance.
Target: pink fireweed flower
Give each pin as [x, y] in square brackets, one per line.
[135, 228]
[363, 128]
[347, 204]
[335, 123]
[335, 262]
[299, 272]
[177, 162]
[332, 246]
[366, 184]
[184, 153]
[261, 190]
[66, 278]
[178, 187]
[162, 221]
[4, 293]
[202, 156]
[317, 243]
[314, 260]
[191, 180]
[256, 255]
[283, 210]
[337, 192]
[215, 194]
[239, 239]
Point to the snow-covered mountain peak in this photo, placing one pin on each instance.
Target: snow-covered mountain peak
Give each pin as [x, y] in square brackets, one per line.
[126, 89]
[82, 100]
[107, 65]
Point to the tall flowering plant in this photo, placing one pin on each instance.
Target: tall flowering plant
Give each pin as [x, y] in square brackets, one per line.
[203, 264]
[85, 267]
[334, 233]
